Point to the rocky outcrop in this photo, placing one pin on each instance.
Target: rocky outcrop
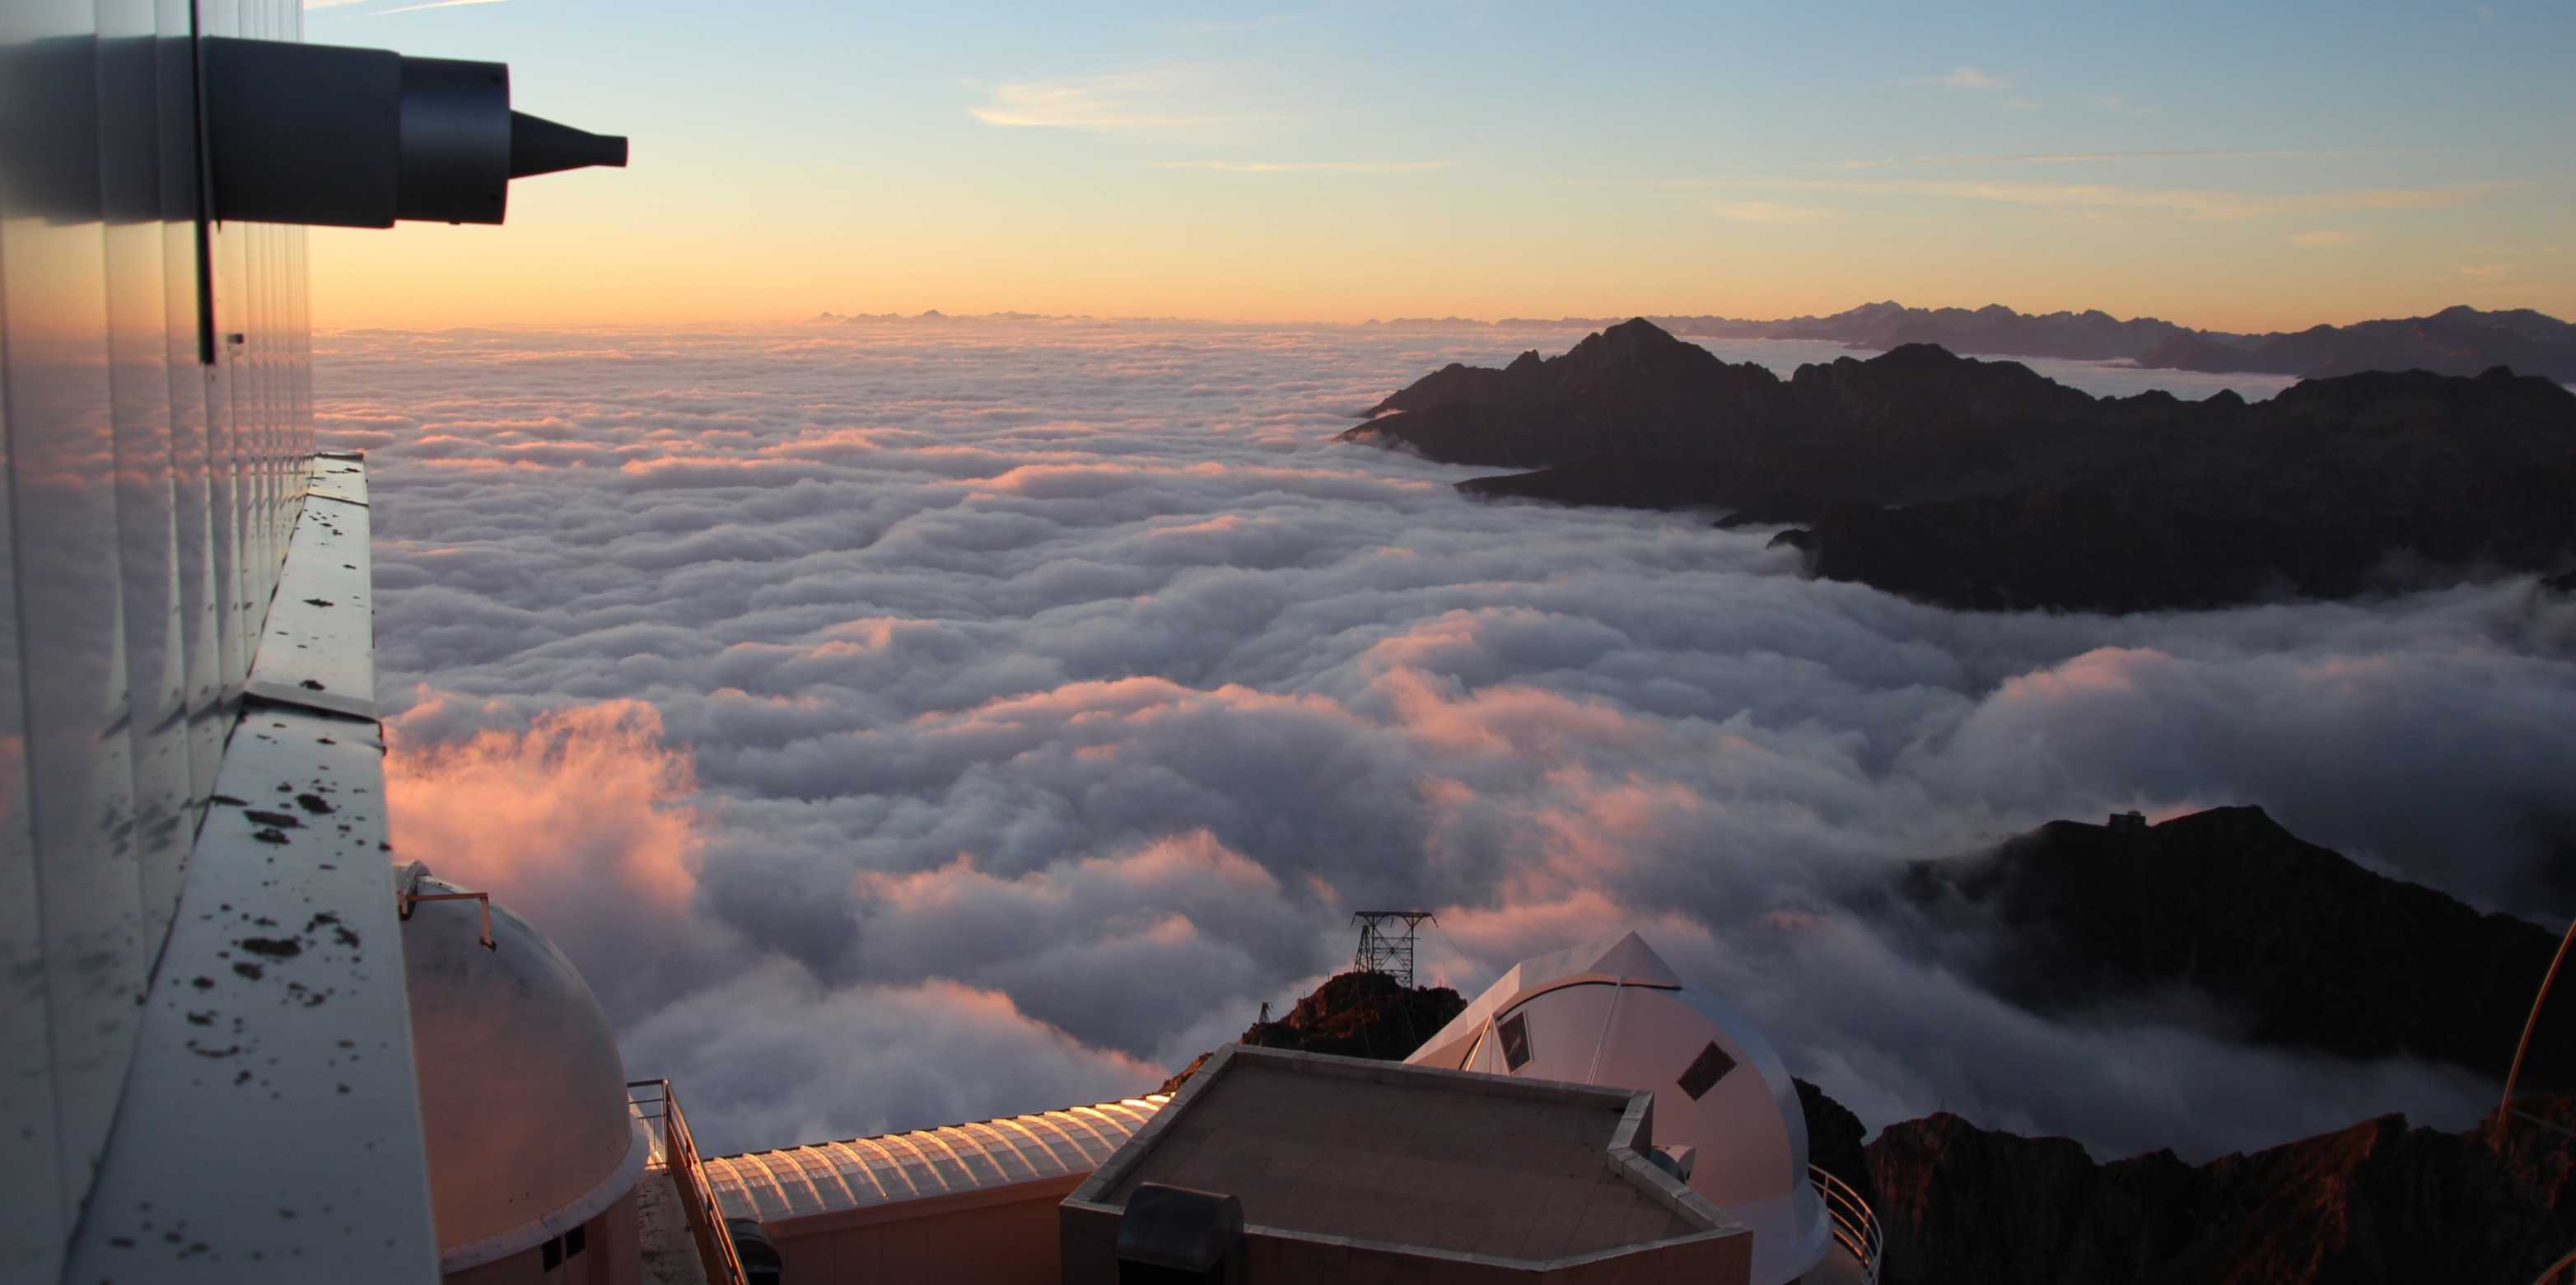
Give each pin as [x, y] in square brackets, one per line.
[1361, 1014]
[1834, 1138]
[1180, 1077]
[2293, 945]
[1354, 1014]
[2376, 1202]
[1983, 485]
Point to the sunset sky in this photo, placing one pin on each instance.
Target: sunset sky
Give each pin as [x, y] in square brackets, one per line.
[2209, 164]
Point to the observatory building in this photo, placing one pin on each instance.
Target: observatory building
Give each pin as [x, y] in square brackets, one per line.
[962, 1202]
[1349, 1169]
[535, 1154]
[1591, 1116]
[1726, 1112]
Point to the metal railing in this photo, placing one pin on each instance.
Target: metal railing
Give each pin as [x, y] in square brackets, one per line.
[675, 1152]
[1855, 1224]
[2563, 1271]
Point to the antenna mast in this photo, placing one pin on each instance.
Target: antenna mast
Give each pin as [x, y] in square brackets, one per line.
[1384, 947]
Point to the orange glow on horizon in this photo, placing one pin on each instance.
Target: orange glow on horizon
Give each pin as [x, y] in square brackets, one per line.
[576, 254]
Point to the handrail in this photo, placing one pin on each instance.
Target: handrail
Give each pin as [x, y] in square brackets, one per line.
[675, 1151]
[2505, 1112]
[2514, 1070]
[1855, 1224]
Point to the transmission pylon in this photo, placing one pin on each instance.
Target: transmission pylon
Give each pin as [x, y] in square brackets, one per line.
[1384, 947]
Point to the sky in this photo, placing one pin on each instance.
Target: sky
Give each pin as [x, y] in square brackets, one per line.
[909, 722]
[2227, 166]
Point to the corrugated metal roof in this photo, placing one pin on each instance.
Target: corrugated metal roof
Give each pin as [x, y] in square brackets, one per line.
[830, 1177]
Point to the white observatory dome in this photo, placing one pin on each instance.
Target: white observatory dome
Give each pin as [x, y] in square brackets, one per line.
[522, 1094]
[1613, 1013]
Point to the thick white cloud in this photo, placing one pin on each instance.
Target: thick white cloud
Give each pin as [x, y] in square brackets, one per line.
[906, 722]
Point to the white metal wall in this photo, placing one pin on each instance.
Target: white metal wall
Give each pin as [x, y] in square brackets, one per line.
[146, 509]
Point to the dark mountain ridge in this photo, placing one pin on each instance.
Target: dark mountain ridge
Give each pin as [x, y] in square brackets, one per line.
[2295, 944]
[2375, 1202]
[1983, 484]
[1847, 430]
[2455, 341]
[2298, 948]
[2318, 493]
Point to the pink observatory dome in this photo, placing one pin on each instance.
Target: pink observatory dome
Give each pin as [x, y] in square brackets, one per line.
[522, 1092]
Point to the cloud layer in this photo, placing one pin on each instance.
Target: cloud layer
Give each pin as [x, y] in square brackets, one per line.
[903, 722]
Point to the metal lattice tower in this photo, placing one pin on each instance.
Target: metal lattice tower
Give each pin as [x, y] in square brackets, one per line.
[1383, 949]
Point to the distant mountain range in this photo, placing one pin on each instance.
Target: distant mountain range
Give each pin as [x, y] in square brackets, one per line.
[936, 315]
[2455, 341]
[1982, 484]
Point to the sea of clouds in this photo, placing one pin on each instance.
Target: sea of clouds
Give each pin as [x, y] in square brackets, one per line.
[907, 722]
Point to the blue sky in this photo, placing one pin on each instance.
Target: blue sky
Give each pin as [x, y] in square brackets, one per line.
[2223, 167]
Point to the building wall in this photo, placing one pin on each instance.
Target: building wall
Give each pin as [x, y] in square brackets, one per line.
[1089, 1237]
[145, 510]
[612, 1254]
[993, 1242]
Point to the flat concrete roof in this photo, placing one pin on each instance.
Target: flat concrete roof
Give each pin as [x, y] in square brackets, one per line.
[1487, 1166]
